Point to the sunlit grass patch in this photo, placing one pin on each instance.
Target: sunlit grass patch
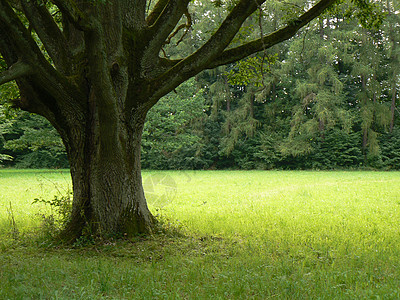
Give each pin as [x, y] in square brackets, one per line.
[19, 188]
[242, 234]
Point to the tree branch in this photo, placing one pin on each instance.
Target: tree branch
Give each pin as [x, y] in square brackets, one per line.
[16, 43]
[133, 13]
[76, 16]
[49, 33]
[166, 22]
[155, 36]
[14, 32]
[285, 33]
[212, 54]
[9, 56]
[156, 12]
[16, 71]
[225, 33]
[73, 36]
[185, 26]
[200, 60]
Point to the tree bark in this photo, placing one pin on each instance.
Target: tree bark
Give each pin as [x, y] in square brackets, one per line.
[107, 184]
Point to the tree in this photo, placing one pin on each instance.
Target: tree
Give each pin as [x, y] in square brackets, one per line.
[95, 68]
[172, 137]
[32, 142]
[394, 54]
[3, 157]
[318, 90]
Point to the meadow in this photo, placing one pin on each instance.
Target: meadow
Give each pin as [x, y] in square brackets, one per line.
[226, 235]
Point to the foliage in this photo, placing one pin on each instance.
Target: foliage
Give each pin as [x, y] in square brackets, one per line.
[390, 150]
[5, 157]
[337, 150]
[54, 222]
[171, 139]
[33, 142]
[251, 70]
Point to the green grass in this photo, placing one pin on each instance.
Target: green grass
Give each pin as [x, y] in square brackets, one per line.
[247, 234]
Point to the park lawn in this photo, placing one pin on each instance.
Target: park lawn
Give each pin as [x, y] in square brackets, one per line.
[227, 235]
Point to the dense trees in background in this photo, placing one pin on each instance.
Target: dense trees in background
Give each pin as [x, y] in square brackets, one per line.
[325, 99]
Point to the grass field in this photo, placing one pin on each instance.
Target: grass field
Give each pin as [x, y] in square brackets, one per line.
[241, 235]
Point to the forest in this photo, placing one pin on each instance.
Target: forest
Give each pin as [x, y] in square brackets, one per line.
[325, 99]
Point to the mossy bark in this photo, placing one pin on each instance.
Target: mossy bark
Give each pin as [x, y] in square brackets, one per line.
[105, 167]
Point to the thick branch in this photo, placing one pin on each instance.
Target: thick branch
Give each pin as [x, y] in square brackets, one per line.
[9, 56]
[185, 26]
[101, 85]
[49, 33]
[155, 36]
[133, 13]
[225, 33]
[16, 71]
[285, 33]
[200, 60]
[166, 22]
[76, 16]
[13, 32]
[17, 44]
[74, 37]
[156, 12]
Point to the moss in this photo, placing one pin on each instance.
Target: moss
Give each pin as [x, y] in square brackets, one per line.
[133, 224]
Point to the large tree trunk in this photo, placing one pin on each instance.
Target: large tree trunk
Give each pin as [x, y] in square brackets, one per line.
[106, 176]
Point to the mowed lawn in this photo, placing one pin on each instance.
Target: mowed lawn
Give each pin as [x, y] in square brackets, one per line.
[228, 235]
